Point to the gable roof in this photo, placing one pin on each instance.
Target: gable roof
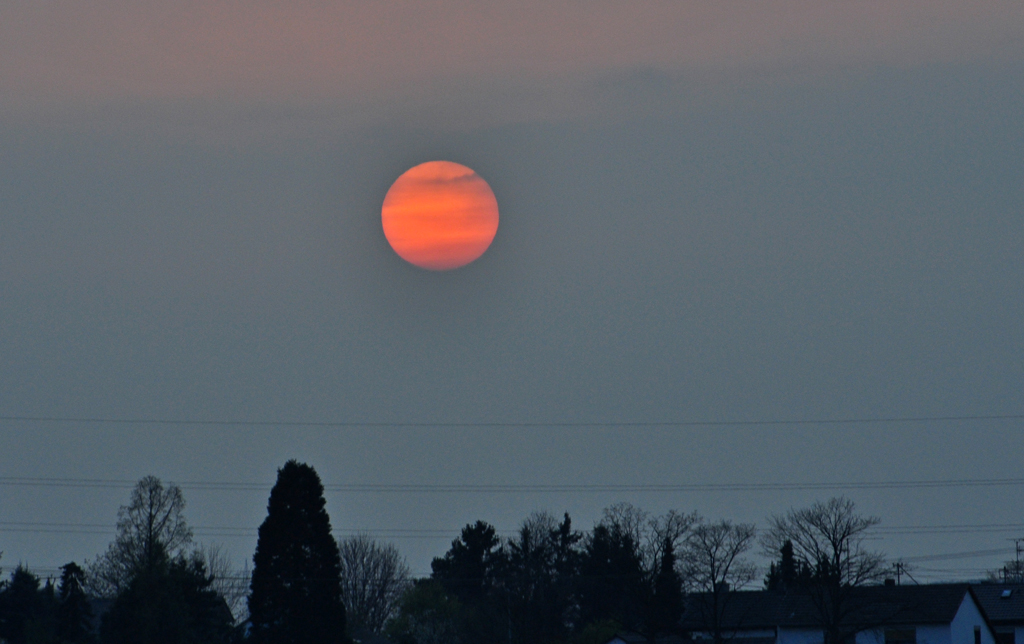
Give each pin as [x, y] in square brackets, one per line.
[871, 605]
[1001, 610]
[629, 637]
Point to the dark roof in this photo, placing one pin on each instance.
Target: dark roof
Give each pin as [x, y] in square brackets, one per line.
[631, 638]
[1001, 610]
[636, 638]
[872, 605]
[751, 610]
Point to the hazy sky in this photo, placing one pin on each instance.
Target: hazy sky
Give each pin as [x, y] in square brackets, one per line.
[721, 211]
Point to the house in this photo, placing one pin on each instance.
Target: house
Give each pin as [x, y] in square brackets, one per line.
[636, 638]
[1004, 605]
[931, 614]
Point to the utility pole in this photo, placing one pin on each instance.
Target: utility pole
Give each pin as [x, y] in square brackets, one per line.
[1018, 573]
[901, 570]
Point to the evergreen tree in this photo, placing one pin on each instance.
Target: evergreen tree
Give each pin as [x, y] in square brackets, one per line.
[540, 570]
[787, 573]
[470, 573]
[566, 564]
[74, 615]
[26, 610]
[667, 604]
[612, 579]
[469, 569]
[173, 602]
[296, 578]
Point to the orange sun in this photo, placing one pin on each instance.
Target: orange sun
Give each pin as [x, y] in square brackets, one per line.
[440, 215]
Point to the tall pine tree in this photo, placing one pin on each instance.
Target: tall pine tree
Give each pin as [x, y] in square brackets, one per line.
[296, 577]
[666, 607]
[74, 615]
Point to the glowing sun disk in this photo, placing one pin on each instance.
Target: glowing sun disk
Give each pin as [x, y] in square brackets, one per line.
[440, 215]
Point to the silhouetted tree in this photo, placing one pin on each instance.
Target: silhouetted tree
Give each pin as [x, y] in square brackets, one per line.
[230, 582]
[426, 615]
[74, 615]
[787, 573]
[568, 553]
[373, 578]
[150, 529]
[622, 560]
[612, 584]
[171, 602]
[27, 612]
[828, 538]
[469, 572]
[1012, 572]
[666, 607]
[715, 567]
[541, 563]
[296, 577]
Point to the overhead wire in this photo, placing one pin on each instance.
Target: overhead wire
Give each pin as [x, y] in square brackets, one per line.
[498, 424]
[448, 533]
[521, 489]
[509, 488]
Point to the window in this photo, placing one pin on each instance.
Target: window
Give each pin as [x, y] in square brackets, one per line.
[900, 636]
[977, 635]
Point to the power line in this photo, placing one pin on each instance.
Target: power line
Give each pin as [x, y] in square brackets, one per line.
[429, 425]
[948, 529]
[446, 533]
[109, 528]
[502, 488]
[957, 555]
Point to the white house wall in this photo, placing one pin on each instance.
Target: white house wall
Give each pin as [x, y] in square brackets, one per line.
[940, 635]
[962, 628]
[874, 636]
[800, 636]
[925, 635]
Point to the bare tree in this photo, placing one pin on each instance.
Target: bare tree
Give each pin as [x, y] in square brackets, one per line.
[649, 533]
[828, 537]
[151, 529]
[373, 578]
[229, 582]
[1012, 572]
[714, 566]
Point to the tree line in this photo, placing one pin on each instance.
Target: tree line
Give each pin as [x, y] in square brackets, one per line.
[547, 583]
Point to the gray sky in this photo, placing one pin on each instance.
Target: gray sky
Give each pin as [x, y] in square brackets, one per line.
[725, 212]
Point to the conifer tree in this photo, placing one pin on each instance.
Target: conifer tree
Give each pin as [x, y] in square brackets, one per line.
[296, 577]
[667, 604]
[613, 585]
[74, 616]
[26, 610]
[171, 603]
[470, 572]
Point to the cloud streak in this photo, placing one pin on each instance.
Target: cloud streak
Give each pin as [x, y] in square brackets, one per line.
[69, 53]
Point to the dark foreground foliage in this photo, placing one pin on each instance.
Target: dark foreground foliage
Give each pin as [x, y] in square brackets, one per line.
[171, 603]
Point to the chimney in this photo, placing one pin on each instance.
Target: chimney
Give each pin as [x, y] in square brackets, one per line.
[890, 582]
